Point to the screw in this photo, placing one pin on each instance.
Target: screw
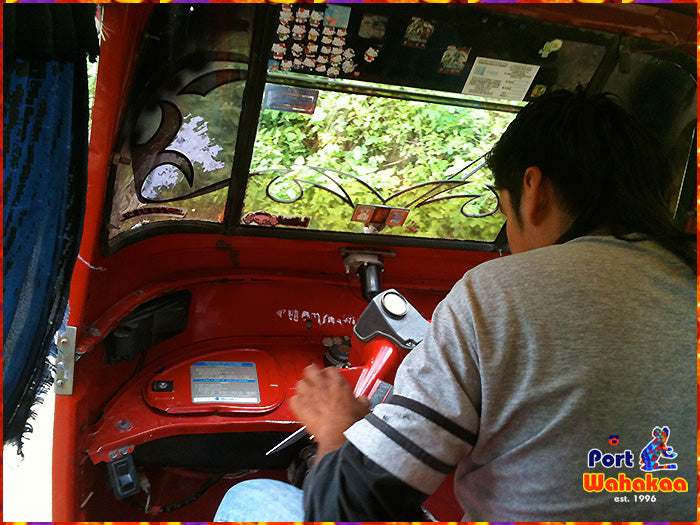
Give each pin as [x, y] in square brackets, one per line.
[63, 341]
[163, 385]
[124, 425]
[59, 383]
[114, 454]
[94, 331]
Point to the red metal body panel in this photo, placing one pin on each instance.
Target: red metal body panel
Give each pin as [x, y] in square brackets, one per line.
[122, 287]
[382, 358]
[138, 415]
[135, 403]
[125, 27]
[182, 400]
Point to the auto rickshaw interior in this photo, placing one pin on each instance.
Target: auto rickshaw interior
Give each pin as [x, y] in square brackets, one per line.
[260, 173]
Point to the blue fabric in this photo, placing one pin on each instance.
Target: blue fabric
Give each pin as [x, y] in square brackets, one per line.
[262, 500]
[37, 156]
[44, 142]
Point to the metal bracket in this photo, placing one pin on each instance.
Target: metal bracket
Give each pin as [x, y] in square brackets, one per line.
[353, 258]
[120, 158]
[65, 361]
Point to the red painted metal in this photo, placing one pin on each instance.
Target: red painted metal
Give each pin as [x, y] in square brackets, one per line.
[181, 400]
[147, 422]
[124, 26]
[151, 267]
[138, 415]
[382, 357]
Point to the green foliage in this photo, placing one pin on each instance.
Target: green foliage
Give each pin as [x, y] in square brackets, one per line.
[391, 145]
[92, 84]
[369, 150]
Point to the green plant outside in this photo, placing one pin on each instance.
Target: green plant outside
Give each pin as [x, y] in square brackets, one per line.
[391, 145]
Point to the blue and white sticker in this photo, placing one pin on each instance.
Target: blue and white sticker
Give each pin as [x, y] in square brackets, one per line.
[224, 382]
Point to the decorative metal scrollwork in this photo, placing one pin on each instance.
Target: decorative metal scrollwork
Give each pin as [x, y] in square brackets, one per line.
[426, 192]
[155, 153]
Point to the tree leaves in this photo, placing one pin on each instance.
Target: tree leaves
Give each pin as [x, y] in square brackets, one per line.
[392, 145]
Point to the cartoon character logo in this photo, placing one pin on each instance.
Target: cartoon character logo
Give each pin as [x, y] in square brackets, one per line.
[614, 439]
[656, 449]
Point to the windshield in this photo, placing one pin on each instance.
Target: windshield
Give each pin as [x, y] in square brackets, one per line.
[363, 120]
[347, 162]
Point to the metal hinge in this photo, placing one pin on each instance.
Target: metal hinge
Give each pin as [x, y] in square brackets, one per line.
[65, 361]
[120, 158]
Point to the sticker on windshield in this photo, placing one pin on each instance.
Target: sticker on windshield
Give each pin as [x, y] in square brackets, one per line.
[263, 218]
[454, 60]
[337, 16]
[373, 27]
[224, 382]
[377, 214]
[286, 15]
[292, 99]
[418, 33]
[499, 79]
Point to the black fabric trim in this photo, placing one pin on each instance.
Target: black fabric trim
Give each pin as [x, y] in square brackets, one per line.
[408, 445]
[50, 31]
[437, 418]
[345, 485]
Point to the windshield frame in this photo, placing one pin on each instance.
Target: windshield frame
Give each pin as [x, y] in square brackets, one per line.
[258, 76]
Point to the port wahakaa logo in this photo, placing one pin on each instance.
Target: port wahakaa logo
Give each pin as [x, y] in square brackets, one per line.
[650, 460]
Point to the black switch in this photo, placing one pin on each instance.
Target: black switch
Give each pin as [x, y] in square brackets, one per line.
[123, 478]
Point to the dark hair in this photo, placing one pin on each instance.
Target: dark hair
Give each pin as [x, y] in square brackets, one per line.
[606, 168]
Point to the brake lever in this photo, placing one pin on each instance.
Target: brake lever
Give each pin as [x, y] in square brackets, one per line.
[300, 433]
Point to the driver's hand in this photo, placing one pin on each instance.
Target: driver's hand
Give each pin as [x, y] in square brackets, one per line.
[324, 402]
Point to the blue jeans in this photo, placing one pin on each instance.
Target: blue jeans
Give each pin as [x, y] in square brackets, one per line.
[261, 500]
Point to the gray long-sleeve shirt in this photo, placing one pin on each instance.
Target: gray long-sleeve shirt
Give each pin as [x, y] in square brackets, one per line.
[531, 362]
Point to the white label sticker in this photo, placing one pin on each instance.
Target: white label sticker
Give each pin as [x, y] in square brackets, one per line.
[224, 382]
[492, 78]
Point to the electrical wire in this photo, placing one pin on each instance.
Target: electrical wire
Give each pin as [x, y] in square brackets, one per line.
[149, 508]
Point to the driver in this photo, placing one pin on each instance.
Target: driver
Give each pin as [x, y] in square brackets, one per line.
[533, 360]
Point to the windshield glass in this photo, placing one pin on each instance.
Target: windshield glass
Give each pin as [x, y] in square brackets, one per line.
[350, 162]
[179, 136]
